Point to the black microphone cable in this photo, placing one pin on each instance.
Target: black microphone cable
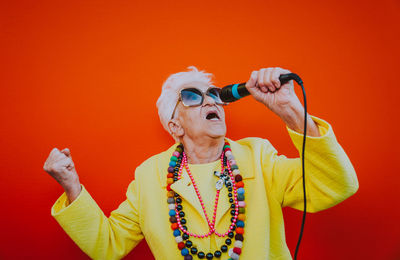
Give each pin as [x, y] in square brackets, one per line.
[234, 92]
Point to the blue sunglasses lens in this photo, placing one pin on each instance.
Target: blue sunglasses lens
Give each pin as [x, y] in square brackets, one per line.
[191, 97]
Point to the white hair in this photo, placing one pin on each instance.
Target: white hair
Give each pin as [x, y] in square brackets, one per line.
[170, 92]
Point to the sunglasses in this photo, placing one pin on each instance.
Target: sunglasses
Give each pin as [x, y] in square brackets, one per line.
[192, 97]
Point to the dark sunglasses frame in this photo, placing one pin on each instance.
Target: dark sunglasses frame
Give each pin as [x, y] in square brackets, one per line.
[199, 92]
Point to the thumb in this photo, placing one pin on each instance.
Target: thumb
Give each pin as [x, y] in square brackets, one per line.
[251, 83]
[66, 151]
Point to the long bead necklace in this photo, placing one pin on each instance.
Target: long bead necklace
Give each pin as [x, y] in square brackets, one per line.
[233, 181]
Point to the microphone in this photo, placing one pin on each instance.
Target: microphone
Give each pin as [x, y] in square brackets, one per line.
[235, 92]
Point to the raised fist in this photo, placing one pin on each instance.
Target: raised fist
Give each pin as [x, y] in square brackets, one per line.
[60, 166]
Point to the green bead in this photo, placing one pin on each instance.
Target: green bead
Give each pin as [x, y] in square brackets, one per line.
[226, 146]
[234, 167]
[240, 197]
[242, 210]
[174, 158]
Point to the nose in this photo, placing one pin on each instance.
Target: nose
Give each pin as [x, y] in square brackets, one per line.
[208, 100]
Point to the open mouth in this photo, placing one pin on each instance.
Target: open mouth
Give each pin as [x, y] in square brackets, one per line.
[212, 116]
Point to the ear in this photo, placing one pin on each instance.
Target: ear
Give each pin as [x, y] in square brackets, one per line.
[175, 128]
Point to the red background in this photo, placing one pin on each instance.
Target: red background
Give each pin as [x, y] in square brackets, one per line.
[86, 75]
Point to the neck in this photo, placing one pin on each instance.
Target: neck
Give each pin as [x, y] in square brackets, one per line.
[203, 150]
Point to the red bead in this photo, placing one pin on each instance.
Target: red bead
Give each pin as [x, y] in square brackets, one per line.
[168, 187]
[181, 245]
[238, 178]
[170, 175]
[239, 184]
[239, 230]
[174, 226]
[237, 250]
[228, 149]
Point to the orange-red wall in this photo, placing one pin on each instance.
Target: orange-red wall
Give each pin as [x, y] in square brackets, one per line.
[86, 75]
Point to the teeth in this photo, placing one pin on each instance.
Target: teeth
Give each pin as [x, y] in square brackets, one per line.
[214, 119]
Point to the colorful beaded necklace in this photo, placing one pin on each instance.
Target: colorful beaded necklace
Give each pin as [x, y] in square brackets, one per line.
[230, 178]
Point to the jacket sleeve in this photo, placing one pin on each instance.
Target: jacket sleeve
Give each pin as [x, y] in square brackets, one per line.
[98, 236]
[329, 175]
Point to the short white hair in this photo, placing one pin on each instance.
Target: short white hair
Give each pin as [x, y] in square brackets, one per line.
[170, 92]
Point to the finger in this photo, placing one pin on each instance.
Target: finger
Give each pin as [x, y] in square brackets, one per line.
[268, 81]
[66, 162]
[66, 151]
[264, 89]
[251, 83]
[260, 78]
[275, 78]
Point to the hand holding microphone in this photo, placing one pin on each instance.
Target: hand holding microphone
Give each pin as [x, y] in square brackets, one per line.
[274, 88]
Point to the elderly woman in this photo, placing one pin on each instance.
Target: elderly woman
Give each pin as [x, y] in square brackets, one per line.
[208, 196]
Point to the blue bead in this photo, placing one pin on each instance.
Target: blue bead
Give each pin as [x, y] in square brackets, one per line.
[240, 223]
[172, 212]
[240, 191]
[184, 251]
[177, 232]
[172, 163]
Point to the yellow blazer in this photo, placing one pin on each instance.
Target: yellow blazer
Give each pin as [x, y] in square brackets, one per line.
[271, 182]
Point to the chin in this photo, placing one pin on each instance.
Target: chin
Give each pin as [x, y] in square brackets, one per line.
[217, 132]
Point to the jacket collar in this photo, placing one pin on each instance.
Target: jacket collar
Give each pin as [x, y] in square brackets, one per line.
[184, 187]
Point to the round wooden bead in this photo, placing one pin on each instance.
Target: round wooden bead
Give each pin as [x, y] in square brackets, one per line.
[217, 254]
[177, 232]
[170, 175]
[171, 194]
[171, 169]
[241, 204]
[238, 244]
[233, 255]
[181, 245]
[242, 210]
[239, 230]
[238, 178]
[176, 154]
[241, 217]
[178, 239]
[239, 184]
[235, 172]
[234, 167]
[188, 257]
[240, 191]
[237, 250]
[171, 200]
[188, 244]
[170, 180]
[240, 197]
[173, 219]
[240, 223]
[174, 158]
[172, 163]
[171, 206]
[239, 237]
[184, 251]
[174, 226]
